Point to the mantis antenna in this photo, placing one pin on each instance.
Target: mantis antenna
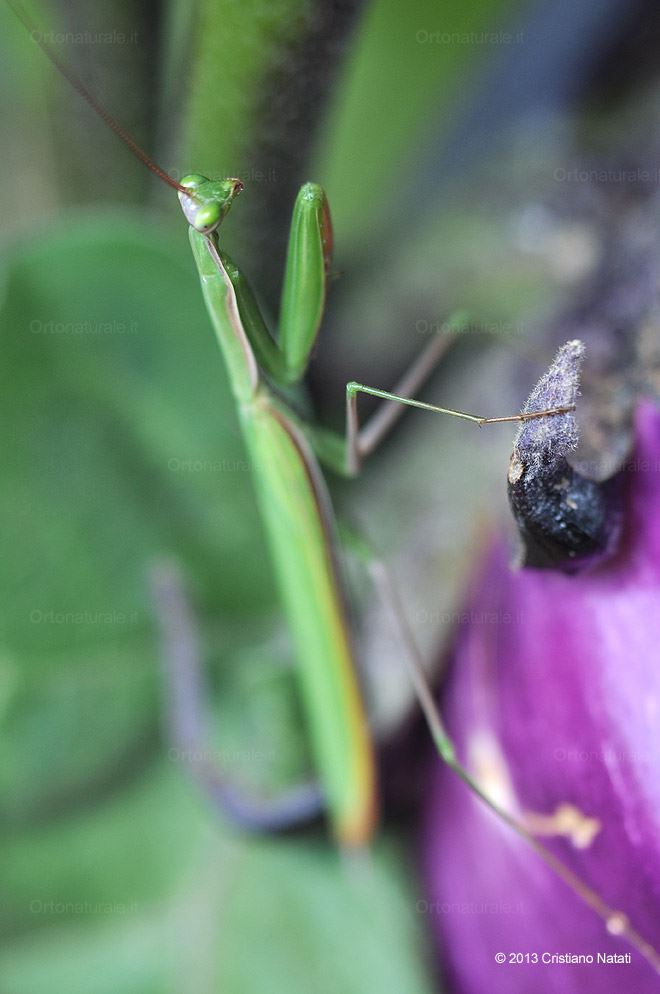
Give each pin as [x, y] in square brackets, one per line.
[72, 77]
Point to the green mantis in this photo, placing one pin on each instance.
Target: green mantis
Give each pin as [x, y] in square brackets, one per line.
[284, 453]
[290, 489]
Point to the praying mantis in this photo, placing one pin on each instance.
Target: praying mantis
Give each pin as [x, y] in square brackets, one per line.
[292, 497]
[285, 454]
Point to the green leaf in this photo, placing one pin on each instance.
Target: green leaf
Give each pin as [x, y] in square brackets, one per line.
[407, 66]
[241, 915]
[105, 863]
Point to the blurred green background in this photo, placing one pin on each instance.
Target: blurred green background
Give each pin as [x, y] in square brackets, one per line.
[121, 447]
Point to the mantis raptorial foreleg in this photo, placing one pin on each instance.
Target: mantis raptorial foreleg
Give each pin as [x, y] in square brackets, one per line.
[284, 357]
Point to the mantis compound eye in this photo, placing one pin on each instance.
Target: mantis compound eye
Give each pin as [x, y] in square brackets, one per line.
[193, 180]
[207, 217]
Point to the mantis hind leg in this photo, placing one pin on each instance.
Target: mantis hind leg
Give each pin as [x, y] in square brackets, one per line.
[189, 722]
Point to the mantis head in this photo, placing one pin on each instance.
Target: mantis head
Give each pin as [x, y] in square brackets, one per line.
[209, 201]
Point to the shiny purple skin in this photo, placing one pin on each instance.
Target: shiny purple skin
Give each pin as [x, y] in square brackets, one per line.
[563, 673]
